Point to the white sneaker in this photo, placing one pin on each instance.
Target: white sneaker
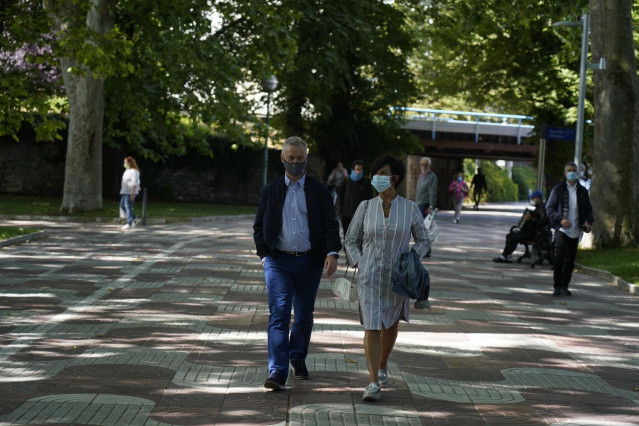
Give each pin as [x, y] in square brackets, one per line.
[135, 223]
[373, 392]
[422, 304]
[382, 375]
[127, 226]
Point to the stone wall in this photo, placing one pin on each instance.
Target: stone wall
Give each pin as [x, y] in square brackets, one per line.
[230, 177]
[236, 179]
[32, 169]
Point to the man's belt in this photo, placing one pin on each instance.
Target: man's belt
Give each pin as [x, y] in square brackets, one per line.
[296, 253]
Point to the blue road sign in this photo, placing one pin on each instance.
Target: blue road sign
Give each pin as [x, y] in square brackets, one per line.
[560, 133]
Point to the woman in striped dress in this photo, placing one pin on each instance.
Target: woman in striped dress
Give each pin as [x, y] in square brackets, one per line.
[379, 233]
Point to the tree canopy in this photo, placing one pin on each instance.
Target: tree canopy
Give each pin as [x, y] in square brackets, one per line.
[349, 67]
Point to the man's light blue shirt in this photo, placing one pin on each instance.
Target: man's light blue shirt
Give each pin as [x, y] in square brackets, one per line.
[295, 235]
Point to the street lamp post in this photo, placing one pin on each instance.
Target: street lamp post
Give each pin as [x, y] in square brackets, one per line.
[583, 65]
[268, 85]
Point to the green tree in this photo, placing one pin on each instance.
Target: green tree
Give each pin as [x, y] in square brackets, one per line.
[504, 57]
[350, 66]
[151, 63]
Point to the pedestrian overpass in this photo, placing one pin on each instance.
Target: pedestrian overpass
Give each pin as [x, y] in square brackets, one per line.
[464, 134]
[450, 136]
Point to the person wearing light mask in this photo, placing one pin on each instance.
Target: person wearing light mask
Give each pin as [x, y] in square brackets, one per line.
[571, 214]
[379, 233]
[351, 192]
[296, 235]
[458, 190]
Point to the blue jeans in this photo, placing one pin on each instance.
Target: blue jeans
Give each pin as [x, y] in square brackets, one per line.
[291, 281]
[126, 204]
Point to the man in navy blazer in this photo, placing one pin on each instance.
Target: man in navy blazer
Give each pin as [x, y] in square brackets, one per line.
[296, 235]
[570, 213]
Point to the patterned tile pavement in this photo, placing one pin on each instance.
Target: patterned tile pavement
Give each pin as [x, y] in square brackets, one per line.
[167, 325]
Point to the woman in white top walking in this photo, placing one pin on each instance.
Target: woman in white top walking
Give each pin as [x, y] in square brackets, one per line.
[379, 233]
[130, 188]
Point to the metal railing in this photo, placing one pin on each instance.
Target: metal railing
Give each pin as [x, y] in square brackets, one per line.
[469, 117]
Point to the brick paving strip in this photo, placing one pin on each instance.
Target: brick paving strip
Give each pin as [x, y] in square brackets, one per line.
[167, 325]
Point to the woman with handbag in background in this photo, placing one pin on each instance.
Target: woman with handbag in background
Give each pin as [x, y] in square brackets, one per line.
[458, 190]
[379, 233]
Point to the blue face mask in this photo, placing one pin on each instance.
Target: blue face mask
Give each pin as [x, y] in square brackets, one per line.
[381, 183]
[571, 176]
[459, 179]
[356, 176]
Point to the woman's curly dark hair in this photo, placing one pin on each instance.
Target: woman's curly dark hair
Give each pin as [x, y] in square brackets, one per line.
[397, 166]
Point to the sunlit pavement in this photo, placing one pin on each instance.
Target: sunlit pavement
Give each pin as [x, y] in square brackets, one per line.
[167, 325]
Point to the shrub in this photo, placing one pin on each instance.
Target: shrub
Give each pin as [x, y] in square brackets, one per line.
[500, 186]
[525, 177]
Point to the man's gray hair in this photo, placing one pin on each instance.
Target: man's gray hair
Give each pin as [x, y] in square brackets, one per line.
[294, 141]
[427, 159]
[570, 164]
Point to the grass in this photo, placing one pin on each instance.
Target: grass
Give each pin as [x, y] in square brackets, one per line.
[43, 206]
[622, 262]
[7, 232]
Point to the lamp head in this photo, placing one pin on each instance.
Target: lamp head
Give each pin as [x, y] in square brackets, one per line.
[270, 84]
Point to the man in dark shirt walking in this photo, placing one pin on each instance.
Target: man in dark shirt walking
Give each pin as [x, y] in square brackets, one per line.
[571, 214]
[352, 191]
[478, 184]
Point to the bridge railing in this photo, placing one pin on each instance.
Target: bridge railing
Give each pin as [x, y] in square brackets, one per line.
[466, 117]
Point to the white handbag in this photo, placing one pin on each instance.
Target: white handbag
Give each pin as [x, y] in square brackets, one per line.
[345, 289]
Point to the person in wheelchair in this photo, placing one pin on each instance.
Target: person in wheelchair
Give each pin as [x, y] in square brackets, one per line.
[531, 223]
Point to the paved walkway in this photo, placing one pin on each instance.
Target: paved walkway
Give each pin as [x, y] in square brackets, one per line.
[166, 325]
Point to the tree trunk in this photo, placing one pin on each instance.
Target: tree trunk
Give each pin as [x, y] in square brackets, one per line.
[83, 167]
[615, 192]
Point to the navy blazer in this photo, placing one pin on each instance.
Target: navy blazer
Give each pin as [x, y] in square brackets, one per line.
[555, 205]
[322, 221]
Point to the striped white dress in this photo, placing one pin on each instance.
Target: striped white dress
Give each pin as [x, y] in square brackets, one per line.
[376, 242]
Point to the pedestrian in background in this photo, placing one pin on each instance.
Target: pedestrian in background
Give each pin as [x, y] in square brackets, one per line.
[335, 178]
[458, 190]
[353, 190]
[584, 180]
[533, 222]
[296, 234]
[478, 184]
[129, 189]
[570, 213]
[426, 193]
[379, 233]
